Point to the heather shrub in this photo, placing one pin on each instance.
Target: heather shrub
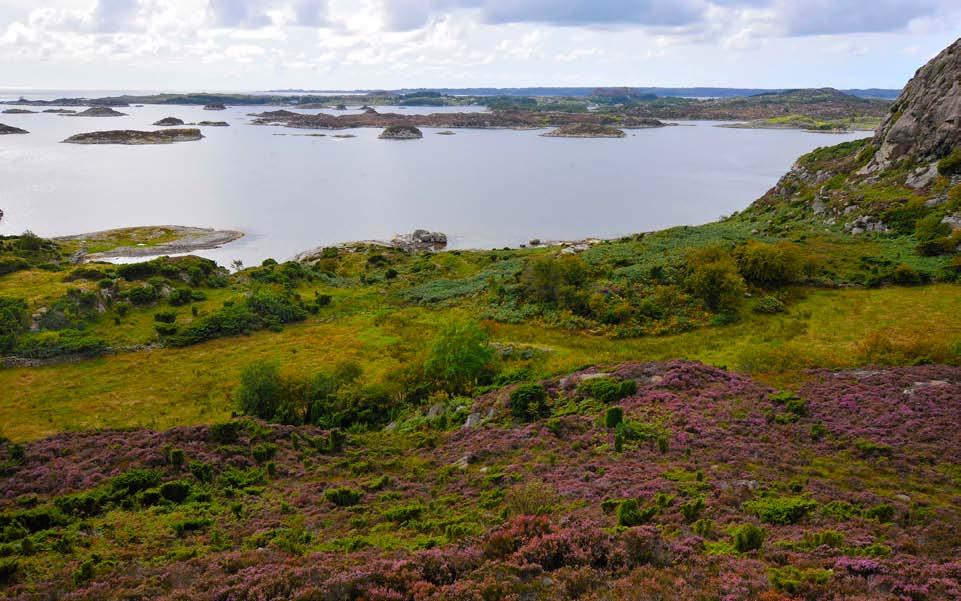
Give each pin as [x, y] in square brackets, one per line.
[226, 432]
[343, 496]
[768, 264]
[532, 498]
[264, 451]
[780, 510]
[644, 546]
[528, 402]
[883, 513]
[747, 537]
[607, 390]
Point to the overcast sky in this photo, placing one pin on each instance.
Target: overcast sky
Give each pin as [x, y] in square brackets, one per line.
[325, 44]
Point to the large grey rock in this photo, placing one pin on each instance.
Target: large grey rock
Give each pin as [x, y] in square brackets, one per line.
[925, 121]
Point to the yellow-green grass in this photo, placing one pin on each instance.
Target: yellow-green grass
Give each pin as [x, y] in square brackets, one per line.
[169, 387]
[147, 236]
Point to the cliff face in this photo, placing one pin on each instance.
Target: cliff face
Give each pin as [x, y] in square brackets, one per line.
[925, 121]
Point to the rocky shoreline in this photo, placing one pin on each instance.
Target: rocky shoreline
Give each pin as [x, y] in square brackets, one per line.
[134, 137]
[190, 239]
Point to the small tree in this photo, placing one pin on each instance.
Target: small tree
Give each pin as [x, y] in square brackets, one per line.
[713, 277]
[460, 356]
[769, 264]
[261, 388]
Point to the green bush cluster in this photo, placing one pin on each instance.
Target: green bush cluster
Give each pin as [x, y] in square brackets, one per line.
[528, 402]
[630, 513]
[747, 537]
[780, 510]
[343, 496]
[713, 277]
[607, 390]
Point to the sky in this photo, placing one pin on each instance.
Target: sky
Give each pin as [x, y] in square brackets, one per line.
[386, 44]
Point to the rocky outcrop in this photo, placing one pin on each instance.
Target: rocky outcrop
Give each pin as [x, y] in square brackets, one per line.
[585, 130]
[215, 107]
[99, 111]
[420, 240]
[925, 121]
[132, 137]
[18, 112]
[213, 124]
[60, 111]
[169, 122]
[9, 129]
[401, 132]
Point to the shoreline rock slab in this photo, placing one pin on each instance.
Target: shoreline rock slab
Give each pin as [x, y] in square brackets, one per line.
[133, 137]
[191, 239]
[9, 129]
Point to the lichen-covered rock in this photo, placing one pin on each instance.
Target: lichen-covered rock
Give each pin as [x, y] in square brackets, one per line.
[925, 121]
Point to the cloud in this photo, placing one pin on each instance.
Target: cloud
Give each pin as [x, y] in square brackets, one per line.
[243, 14]
[827, 17]
[312, 13]
[595, 12]
[112, 16]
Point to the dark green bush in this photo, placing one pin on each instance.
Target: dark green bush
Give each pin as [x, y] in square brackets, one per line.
[528, 402]
[613, 417]
[55, 344]
[691, 510]
[203, 472]
[768, 264]
[231, 320]
[607, 390]
[951, 164]
[630, 514]
[193, 524]
[8, 571]
[261, 389]
[768, 305]
[713, 277]
[264, 451]
[176, 491]
[226, 432]
[794, 581]
[130, 483]
[905, 275]
[142, 295]
[14, 321]
[12, 264]
[883, 513]
[747, 537]
[460, 357]
[343, 496]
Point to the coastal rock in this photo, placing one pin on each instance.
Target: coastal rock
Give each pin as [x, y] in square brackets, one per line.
[99, 111]
[133, 137]
[60, 111]
[420, 240]
[9, 129]
[446, 132]
[19, 112]
[369, 110]
[169, 122]
[213, 124]
[585, 130]
[925, 121]
[923, 177]
[401, 132]
[216, 106]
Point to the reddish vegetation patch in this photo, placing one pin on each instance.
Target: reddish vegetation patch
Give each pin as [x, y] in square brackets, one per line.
[854, 480]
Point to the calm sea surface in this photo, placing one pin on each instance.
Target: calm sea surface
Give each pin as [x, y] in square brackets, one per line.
[289, 193]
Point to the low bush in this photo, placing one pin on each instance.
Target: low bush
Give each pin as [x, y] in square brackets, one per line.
[343, 496]
[528, 402]
[629, 513]
[780, 510]
[768, 264]
[747, 537]
[795, 581]
[613, 417]
[14, 321]
[607, 390]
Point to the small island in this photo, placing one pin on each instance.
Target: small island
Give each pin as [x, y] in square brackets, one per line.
[169, 122]
[401, 132]
[99, 111]
[215, 107]
[585, 130]
[19, 112]
[145, 241]
[9, 129]
[213, 124]
[60, 111]
[133, 137]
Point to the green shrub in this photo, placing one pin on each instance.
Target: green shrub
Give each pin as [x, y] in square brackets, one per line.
[46, 345]
[165, 316]
[14, 321]
[607, 390]
[226, 432]
[202, 471]
[142, 295]
[12, 265]
[883, 513]
[261, 389]
[905, 275]
[713, 277]
[231, 320]
[82, 505]
[768, 264]
[460, 357]
[176, 491]
[692, 509]
[747, 537]
[343, 496]
[192, 524]
[780, 510]
[241, 479]
[613, 417]
[768, 305]
[630, 514]
[793, 581]
[951, 164]
[8, 571]
[404, 513]
[528, 402]
[264, 451]
[176, 457]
